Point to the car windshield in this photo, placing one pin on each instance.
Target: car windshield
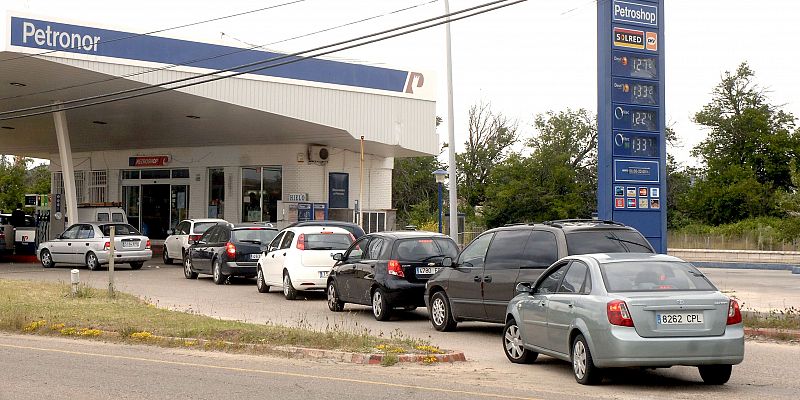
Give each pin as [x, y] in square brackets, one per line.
[254, 235]
[119, 229]
[653, 276]
[327, 241]
[424, 249]
[202, 227]
[606, 241]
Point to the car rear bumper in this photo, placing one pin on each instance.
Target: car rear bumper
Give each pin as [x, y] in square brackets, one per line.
[623, 347]
[404, 293]
[308, 278]
[125, 257]
[240, 268]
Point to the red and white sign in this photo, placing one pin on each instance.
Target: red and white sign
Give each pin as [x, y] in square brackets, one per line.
[148, 161]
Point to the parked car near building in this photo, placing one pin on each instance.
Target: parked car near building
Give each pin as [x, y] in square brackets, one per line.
[349, 226]
[88, 244]
[184, 234]
[625, 310]
[482, 279]
[21, 239]
[300, 259]
[388, 270]
[226, 250]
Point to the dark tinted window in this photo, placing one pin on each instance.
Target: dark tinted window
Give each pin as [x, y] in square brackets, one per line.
[475, 253]
[507, 249]
[119, 229]
[276, 242]
[653, 276]
[254, 235]
[287, 240]
[223, 234]
[600, 241]
[71, 233]
[573, 281]
[327, 241]
[200, 227]
[208, 235]
[448, 247]
[117, 217]
[541, 250]
[375, 249]
[421, 249]
[356, 251]
[102, 217]
[180, 173]
[549, 284]
[155, 174]
[86, 232]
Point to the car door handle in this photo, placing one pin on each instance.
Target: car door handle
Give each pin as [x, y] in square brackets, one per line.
[87, 244]
[69, 244]
[476, 278]
[570, 305]
[487, 278]
[273, 256]
[284, 254]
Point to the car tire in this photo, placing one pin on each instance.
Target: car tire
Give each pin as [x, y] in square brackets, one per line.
[188, 271]
[92, 262]
[582, 364]
[381, 309]
[165, 256]
[261, 285]
[47, 259]
[216, 271]
[137, 265]
[715, 374]
[441, 314]
[334, 304]
[512, 345]
[289, 292]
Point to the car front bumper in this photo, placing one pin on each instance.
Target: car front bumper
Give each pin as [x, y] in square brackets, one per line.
[125, 257]
[623, 347]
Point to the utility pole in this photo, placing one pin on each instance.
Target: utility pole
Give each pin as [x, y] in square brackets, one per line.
[451, 135]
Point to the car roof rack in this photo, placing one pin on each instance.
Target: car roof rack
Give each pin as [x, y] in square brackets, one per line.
[559, 223]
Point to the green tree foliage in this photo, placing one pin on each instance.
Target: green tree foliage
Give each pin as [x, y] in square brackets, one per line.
[414, 190]
[12, 181]
[748, 154]
[491, 135]
[38, 180]
[559, 178]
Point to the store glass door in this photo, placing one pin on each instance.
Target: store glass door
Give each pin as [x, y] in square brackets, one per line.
[180, 204]
[130, 198]
[155, 210]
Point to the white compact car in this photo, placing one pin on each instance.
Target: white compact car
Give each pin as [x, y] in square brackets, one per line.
[88, 244]
[185, 233]
[301, 258]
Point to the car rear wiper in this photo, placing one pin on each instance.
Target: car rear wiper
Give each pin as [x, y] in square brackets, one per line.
[627, 241]
[320, 248]
[430, 257]
[251, 241]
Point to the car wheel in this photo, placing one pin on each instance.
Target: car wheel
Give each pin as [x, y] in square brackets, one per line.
[288, 290]
[137, 265]
[219, 277]
[334, 304]
[47, 259]
[381, 308]
[715, 374]
[92, 262]
[165, 256]
[512, 345]
[582, 364]
[261, 285]
[188, 271]
[441, 316]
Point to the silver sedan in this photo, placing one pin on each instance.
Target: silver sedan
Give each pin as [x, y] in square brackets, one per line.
[89, 244]
[625, 310]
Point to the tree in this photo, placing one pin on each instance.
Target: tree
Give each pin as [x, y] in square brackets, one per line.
[12, 181]
[37, 180]
[491, 134]
[414, 188]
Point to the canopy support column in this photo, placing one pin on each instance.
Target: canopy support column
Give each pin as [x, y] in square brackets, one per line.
[67, 169]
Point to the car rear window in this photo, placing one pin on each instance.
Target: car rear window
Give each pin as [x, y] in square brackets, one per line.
[424, 249]
[653, 276]
[598, 241]
[119, 229]
[254, 235]
[327, 241]
[202, 227]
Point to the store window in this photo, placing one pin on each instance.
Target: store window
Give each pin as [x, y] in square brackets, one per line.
[262, 188]
[216, 193]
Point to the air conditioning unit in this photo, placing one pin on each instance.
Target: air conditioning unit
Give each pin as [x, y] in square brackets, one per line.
[318, 153]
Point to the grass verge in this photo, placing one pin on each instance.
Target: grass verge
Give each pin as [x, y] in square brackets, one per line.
[786, 319]
[49, 309]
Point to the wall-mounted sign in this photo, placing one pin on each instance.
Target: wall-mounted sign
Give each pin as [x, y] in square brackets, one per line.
[304, 212]
[338, 190]
[148, 161]
[298, 196]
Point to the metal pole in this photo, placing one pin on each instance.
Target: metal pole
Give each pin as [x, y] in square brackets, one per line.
[361, 184]
[111, 261]
[67, 168]
[440, 207]
[451, 135]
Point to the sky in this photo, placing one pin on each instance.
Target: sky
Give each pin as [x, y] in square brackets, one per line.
[524, 60]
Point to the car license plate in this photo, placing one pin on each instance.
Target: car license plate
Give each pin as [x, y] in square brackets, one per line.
[130, 244]
[323, 274]
[255, 256]
[679, 319]
[427, 270]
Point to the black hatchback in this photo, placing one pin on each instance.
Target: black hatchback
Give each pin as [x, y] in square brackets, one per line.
[388, 270]
[226, 250]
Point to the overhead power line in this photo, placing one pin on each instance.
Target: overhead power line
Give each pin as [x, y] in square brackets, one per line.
[417, 26]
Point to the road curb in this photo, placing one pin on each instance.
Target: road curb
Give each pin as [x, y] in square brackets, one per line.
[369, 358]
[772, 333]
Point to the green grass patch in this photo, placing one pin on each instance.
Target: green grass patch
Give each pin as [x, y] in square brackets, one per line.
[49, 309]
[786, 319]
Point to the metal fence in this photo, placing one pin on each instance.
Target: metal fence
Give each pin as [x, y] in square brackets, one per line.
[753, 241]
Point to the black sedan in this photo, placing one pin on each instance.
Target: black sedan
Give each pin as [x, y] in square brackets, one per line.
[388, 270]
[227, 250]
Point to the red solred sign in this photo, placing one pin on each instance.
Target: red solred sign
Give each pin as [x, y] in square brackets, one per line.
[148, 161]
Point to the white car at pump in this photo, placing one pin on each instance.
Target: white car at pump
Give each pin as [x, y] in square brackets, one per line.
[301, 258]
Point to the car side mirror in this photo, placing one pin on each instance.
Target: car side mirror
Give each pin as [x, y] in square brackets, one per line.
[447, 262]
[338, 256]
[170, 232]
[524, 287]
[271, 249]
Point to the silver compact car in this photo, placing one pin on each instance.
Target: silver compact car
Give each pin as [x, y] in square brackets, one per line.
[89, 244]
[625, 310]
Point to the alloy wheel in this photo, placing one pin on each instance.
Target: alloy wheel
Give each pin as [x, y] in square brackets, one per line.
[377, 303]
[513, 342]
[438, 311]
[579, 359]
[286, 283]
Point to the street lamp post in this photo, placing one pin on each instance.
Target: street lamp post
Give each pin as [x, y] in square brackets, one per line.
[440, 175]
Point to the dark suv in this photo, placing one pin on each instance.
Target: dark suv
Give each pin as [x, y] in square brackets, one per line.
[482, 280]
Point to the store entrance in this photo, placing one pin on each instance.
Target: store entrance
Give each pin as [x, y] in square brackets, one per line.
[155, 212]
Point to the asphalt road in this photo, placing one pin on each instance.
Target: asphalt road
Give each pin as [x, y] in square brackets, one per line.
[768, 370]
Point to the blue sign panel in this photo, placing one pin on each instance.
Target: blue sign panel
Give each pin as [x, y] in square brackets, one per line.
[631, 145]
[304, 212]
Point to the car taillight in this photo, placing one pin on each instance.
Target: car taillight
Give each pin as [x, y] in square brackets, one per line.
[147, 245]
[395, 269]
[301, 242]
[734, 313]
[107, 246]
[194, 238]
[230, 248]
[618, 313]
